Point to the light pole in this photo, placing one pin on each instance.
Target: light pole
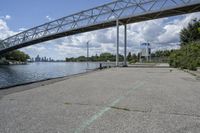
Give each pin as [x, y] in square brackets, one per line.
[88, 54]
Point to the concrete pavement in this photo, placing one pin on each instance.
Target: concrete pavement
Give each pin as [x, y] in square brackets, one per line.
[118, 100]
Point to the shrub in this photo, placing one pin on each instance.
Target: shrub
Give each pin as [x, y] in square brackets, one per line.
[188, 57]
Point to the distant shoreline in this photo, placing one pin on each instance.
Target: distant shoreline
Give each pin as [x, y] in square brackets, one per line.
[9, 62]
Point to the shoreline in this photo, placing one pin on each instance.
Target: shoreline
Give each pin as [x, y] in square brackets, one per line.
[31, 85]
[34, 84]
[7, 63]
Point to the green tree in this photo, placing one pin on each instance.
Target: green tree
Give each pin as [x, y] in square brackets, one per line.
[16, 56]
[129, 57]
[134, 57]
[190, 33]
[102, 57]
[188, 57]
[106, 57]
[81, 59]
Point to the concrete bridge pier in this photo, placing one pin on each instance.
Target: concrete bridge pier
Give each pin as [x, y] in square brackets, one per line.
[125, 45]
[117, 54]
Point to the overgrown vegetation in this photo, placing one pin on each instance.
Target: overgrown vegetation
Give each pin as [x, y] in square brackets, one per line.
[188, 56]
[16, 56]
[132, 58]
[101, 57]
[190, 33]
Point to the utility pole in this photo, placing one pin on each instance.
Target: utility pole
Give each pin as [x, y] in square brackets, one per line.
[147, 53]
[88, 54]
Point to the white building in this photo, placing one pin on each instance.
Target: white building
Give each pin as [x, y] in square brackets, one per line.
[145, 53]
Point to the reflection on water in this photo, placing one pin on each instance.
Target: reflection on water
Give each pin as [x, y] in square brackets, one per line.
[18, 74]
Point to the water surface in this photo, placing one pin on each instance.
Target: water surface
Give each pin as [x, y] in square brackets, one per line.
[17, 74]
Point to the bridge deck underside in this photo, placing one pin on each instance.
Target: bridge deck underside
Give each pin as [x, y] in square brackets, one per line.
[128, 20]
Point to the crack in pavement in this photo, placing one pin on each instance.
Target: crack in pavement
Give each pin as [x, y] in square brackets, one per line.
[136, 110]
[96, 116]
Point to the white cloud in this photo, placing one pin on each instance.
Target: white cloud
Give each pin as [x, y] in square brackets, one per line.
[48, 18]
[172, 29]
[6, 17]
[4, 30]
[35, 48]
[22, 29]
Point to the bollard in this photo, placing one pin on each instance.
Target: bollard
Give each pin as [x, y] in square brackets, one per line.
[100, 66]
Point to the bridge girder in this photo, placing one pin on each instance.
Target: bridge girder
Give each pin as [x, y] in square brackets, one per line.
[126, 11]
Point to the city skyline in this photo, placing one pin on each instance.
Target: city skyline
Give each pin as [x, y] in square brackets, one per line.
[44, 59]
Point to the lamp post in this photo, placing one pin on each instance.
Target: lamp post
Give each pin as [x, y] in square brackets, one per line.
[88, 54]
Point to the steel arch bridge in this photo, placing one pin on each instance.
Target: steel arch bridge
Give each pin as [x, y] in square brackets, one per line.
[119, 12]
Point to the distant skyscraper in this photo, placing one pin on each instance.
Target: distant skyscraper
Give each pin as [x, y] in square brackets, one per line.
[37, 59]
[43, 59]
[32, 60]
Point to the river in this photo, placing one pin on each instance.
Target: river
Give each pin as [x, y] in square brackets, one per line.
[18, 74]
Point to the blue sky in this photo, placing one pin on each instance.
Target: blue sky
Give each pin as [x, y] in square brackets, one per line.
[29, 13]
[17, 15]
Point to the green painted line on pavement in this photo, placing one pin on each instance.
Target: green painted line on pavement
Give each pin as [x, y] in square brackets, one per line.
[103, 111]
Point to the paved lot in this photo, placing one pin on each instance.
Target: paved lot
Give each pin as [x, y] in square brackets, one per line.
[117, 100]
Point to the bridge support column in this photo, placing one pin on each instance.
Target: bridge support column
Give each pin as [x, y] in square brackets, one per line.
[125, 45]
[117, 54]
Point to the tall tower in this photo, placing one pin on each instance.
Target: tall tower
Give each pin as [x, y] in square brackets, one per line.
[145, 53]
